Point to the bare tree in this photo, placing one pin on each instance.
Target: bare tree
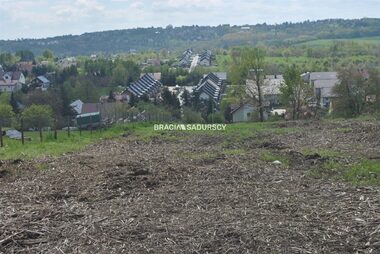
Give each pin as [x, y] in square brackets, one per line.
[253, 61]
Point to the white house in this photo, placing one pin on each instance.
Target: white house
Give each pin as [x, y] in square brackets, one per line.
[11, 81]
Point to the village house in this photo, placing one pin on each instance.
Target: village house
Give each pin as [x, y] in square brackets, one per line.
[323, 84]
[40, 82]
[212, 86]
[155, 75]
[242, 112]
[245, 112]
[11, 81]
[185, 60]
[270, 89]
[147, 85]
[88, 115]
[204, 58]
[25, 67]
[67, 62]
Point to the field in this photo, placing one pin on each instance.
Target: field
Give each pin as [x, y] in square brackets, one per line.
[140, 191]
[375, 40]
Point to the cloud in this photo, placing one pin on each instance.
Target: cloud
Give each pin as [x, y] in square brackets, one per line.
[41, 18]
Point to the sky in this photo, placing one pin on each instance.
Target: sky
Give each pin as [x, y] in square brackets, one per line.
[47, 18]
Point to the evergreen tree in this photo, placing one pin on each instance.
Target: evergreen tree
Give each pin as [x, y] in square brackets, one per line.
[14, 103]
[186, 98]
[66, 108]
[210, 106]
[167, 97]
[228, 114]
[133, 100]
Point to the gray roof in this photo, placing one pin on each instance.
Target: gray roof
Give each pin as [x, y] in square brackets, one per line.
[325, 83]
[146, 85]
[212, 85]
[323, 75]
[43, 79]
[312, 76]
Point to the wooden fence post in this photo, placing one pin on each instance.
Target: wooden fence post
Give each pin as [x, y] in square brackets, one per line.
[1, 136]
[22, 132]
[55, 129]
[68, 126]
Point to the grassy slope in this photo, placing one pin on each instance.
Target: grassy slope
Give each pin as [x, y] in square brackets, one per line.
[327, 42]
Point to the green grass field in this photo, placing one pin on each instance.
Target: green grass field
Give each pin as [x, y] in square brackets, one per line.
[327, 42]
[14, 149]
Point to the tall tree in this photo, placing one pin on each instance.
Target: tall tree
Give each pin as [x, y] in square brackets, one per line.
[66, 108]
[293, 90]
[186, 98]
[351, 92]
[374, 86]
[37, 116]
[252, 63]
[228, 114]
[48, 54]
[13, 102]
[25, 55]
[120, 75]
[133, 100]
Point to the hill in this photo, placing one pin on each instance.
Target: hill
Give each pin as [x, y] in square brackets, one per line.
[179, 38]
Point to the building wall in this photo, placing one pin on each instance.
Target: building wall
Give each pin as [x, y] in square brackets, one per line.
[243, 114]
[10, 87]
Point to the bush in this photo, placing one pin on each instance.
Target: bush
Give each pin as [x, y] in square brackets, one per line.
[190, 116]
[215, 118]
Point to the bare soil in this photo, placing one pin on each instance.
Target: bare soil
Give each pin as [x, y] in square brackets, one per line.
[194, 194]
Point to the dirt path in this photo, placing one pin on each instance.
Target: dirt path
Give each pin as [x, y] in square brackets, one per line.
[188, 195]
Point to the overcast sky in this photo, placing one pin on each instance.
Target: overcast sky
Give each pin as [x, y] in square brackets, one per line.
[46, 18]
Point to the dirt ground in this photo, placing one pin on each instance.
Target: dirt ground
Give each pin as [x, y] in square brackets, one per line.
[186, 193]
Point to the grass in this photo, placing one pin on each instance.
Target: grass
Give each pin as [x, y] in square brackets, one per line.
[42, 166]
[344, 130]
[327, 42]
[235, 152]
[321, 152]
[13, 149]
[330, 169]
[251, 129]
[365, 172]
